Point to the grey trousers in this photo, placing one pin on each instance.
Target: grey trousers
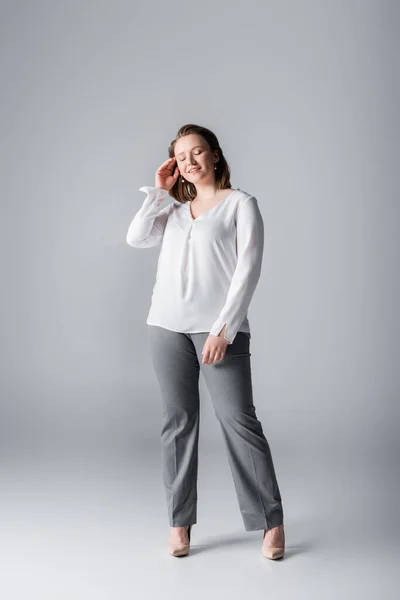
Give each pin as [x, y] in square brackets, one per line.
[177, 362]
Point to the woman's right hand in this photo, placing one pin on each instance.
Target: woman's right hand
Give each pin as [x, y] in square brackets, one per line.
[167, 174]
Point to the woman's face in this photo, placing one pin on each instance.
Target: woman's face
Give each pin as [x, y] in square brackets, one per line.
[193, 152]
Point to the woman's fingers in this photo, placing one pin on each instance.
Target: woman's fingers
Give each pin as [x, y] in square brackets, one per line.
[212, 359]
[166, 165]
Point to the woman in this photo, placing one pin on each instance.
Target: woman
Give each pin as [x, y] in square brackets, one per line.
[211, 238]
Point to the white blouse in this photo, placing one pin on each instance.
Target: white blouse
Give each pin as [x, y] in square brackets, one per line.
[208, 267]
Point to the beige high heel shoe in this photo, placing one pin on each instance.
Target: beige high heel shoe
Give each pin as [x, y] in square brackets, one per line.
[180, 549]
[273, 552]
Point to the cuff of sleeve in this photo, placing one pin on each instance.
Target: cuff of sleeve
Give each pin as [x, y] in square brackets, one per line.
[153, 191]
[218, 326]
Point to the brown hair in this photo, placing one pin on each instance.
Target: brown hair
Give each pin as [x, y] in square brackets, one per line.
[183, 191]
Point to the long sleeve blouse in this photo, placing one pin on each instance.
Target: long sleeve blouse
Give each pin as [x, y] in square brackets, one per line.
[208, 267]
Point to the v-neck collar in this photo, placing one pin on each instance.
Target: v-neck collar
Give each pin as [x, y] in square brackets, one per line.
[210, 209]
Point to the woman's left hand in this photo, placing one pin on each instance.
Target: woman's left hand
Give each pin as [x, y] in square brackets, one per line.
[214, 348]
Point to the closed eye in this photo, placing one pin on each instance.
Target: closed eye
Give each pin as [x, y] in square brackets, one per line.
[183, 158]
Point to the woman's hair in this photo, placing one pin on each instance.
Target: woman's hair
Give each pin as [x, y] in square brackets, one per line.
[183, 191]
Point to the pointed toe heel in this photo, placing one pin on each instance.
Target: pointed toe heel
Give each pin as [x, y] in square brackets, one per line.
[274, 552]
[180, 549]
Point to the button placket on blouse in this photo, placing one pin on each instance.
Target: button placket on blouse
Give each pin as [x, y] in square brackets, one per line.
[186, 254]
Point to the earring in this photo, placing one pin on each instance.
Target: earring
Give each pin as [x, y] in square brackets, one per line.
[215, 168]
[183, 181]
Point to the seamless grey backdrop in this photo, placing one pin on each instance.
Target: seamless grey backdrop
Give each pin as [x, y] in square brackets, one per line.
[306, 111]
[304, 98]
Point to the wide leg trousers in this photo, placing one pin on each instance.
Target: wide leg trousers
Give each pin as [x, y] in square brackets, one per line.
[177, 361]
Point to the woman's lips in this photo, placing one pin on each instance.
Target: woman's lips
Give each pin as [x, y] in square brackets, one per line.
[195, 171]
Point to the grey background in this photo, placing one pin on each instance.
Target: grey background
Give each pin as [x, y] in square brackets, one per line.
[304, 99]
